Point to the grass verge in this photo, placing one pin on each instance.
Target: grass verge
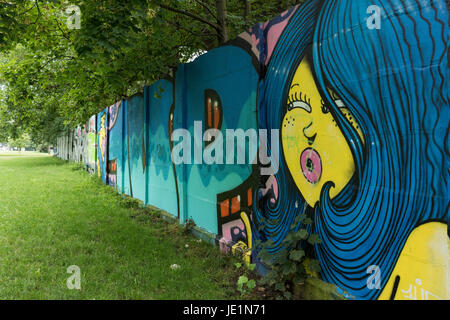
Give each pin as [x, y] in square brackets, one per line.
[54, 215]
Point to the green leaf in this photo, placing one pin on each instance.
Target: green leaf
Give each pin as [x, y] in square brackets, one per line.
[314, 239]
[242, 280]
[314, 265]
[251, 284]
[299, 279]
[279, 286]
[303, 234]
[289, 269]
[297, 255]
[300, 218]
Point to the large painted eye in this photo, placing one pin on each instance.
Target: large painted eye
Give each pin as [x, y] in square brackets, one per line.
[339, 103]
[336, 98]
[299, 104]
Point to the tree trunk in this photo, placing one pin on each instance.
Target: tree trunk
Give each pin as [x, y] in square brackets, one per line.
[246, 12]
[221, 7]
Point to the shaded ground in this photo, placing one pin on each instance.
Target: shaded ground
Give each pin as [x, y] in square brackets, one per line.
[54, 215]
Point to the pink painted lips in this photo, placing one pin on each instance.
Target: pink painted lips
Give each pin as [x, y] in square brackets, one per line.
[311, 165]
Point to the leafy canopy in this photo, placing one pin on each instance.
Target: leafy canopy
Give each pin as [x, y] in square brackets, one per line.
[53, 77]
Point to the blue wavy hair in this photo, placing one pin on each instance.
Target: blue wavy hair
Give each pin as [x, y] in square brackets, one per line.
[394, 81]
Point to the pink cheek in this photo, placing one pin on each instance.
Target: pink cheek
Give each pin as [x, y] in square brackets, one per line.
[311, 165]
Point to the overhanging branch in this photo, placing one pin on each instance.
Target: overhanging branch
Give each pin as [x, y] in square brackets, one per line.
[193, 16]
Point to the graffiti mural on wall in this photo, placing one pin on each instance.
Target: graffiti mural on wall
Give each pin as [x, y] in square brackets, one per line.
[79, 145]
[233, 215]
[116, 152]
[102, 138]
[136, 146]
[363, 115]
[222, 97]
[113, 115]
[363, 118]
[162, 187]
[91, 144]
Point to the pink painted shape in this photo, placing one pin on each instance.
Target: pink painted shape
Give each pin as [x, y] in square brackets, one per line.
[274, 33]
[226, 228]
[271, 182]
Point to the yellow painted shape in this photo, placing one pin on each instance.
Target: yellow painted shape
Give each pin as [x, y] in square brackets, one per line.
[101, 136]
[306, 120]
[248, 228]
[423, 265]
[241, 249]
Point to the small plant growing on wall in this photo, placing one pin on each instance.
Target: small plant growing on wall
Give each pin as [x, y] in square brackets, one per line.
[189, 225]
[288, 269]
[245, 285]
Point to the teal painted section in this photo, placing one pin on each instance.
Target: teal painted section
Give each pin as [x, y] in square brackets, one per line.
[125, 163]
[234, 80]
[136, 141]
[161, 185]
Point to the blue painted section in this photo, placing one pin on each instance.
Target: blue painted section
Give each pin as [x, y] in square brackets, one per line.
[136, 148]
[161, 186]
[234, 79]
[126, 163]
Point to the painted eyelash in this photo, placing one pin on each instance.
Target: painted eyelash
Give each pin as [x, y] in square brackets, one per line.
[298, 96]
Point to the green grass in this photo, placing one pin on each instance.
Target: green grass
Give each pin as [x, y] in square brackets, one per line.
[54, 215]
[22, 154]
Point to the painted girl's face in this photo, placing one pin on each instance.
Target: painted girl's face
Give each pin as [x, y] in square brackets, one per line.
[313, 145]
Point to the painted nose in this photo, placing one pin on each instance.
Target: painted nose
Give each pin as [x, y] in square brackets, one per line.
[309, 134]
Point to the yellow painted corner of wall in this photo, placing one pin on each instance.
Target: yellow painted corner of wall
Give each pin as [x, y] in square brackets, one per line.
[423, 266]
[448, 269]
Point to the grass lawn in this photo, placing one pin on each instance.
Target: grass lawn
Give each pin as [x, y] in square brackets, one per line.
[22, 154]
[54, 215]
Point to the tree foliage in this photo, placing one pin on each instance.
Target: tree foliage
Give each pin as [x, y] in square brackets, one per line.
[53, 77]
[22, 141]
